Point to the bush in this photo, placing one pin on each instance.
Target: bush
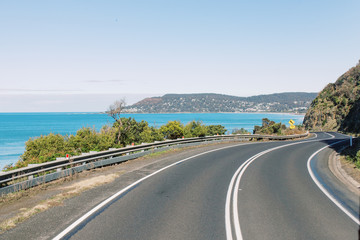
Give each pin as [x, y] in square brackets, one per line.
[195, 129]
[44, 149]
[85, 140]
[216, 130]
[357, 162]
[240, 131]
[49, 147]
[352, 154]
[270, 128]
[172, 130]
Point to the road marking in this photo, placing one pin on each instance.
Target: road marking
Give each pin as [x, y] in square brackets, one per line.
[332, 136]
[322, 188]
[231, 192]
[234, 194]
[114, 196]
[227, 205]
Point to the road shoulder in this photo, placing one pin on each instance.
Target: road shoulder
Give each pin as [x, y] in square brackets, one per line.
[345, 172]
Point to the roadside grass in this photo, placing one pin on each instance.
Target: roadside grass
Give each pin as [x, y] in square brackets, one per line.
[352, 154]
[160, 153]
[56, 200]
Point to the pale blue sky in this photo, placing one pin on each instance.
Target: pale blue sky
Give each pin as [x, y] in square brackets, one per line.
[61, 55]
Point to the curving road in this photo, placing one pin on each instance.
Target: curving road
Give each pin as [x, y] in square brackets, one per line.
[247, 191]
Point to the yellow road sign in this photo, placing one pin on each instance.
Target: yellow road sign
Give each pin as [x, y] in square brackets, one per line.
[292, 126]
[291, 122]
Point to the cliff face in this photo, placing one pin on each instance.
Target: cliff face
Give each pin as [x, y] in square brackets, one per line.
[337, 106]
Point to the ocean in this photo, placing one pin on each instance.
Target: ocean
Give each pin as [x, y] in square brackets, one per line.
[17, 128]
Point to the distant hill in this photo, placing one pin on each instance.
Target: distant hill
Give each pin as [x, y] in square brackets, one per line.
[337, 106]
[210, 102]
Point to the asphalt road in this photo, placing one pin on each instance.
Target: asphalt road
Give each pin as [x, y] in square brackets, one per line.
[275, 198]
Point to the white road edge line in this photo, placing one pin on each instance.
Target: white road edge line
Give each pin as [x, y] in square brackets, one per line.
[232, 190]
[331, 197]
[332, 136]
[108, 200]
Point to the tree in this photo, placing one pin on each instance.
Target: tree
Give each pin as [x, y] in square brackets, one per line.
[195, 129]
[215, 130]
[156, 134]
[131, 131]
[115, 111]
[172, 130]
[265, 122]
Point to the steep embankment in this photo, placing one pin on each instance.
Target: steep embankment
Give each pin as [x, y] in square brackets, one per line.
[337, 106]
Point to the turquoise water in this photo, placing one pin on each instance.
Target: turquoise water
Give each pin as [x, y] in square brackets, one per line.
[17, 128]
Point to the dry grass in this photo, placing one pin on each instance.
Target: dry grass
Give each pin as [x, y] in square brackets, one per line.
[57, 200]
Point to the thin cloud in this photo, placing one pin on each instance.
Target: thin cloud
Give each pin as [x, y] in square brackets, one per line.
[106, 81]
[13, 90]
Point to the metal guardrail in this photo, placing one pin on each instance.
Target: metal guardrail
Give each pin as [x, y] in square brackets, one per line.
[33, 175]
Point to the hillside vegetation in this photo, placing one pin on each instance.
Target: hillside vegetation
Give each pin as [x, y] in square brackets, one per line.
[210, 102]
[337, 106]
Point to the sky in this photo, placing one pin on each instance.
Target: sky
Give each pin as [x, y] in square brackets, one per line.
[82, 55]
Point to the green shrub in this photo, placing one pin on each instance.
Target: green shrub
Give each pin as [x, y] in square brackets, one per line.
[44, 149]
[215, 130]
[172, 130]
[357, 162]
[195, 129]
[240, 131]
[49, 147]
[270, 128]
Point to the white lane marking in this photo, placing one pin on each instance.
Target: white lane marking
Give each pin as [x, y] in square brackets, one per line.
[332, 136]
[232, 192]
[108, 200]
[331, 197]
